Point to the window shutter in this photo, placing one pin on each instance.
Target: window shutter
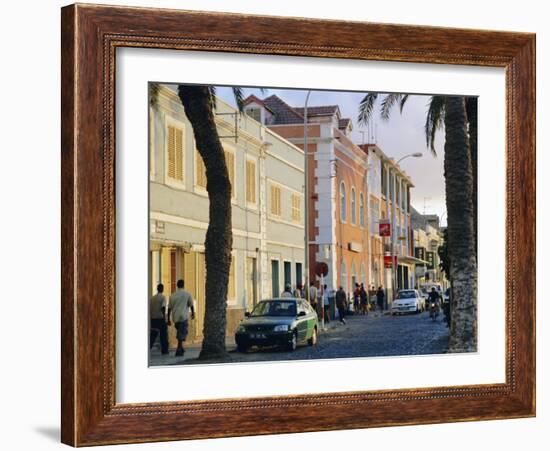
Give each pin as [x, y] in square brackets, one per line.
[295, 207]
[275, 200]
[251, 182]
[171, 152]
[175, 153]
[230, 162]
[201, 170]
[179, 154]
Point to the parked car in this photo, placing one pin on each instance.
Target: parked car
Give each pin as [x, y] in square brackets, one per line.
[408, 301]
[285, 322]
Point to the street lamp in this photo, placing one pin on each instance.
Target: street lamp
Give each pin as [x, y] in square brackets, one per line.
[414, 155]
[392, 250]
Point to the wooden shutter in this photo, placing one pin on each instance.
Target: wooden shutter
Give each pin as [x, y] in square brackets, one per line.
[251, 182]
[230, 162]
[295, 207]
[175, 153]
[171, 152]
[179, 154]
[201, 170]
[275, 200]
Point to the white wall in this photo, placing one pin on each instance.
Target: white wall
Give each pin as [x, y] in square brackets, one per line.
[30, 76]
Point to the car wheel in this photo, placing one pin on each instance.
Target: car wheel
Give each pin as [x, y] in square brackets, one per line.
[242, 348]
[313, 340]
[293, 344]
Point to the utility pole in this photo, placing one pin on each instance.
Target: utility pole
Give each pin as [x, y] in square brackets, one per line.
[306, 198]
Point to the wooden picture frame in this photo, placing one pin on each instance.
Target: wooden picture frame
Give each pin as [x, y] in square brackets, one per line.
[90, 37]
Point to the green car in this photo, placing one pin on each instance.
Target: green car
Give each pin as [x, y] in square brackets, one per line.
[278, 322]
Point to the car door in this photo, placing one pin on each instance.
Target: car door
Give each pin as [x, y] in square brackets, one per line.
[302, 320]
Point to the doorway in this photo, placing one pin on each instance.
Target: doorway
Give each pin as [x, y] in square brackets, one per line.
[275, 278]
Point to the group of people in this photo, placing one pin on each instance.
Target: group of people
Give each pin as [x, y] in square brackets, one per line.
[360, 299]
[163, 314]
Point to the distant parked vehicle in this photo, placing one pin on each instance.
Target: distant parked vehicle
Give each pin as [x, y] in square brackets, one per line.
[408, 301]
[447, 306]
[283, 322]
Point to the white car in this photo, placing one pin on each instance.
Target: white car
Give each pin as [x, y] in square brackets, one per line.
[408, 301]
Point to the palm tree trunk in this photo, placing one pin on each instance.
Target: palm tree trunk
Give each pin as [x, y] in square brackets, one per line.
[198, 104]
[460, 223]
[471, 112]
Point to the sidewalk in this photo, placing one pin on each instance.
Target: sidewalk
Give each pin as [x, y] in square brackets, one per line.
[192, 351]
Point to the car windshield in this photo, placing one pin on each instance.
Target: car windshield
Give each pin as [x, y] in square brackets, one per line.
[275, 308]
[406, 294]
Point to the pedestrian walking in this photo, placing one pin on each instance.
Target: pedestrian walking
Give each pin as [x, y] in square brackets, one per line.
[341, 304]
[288, 292]
[326, 304]
[157, 317]
[298, 291]
[180, 303]
[313, 295]
[364, 298]
[356, 299]
[380, 298]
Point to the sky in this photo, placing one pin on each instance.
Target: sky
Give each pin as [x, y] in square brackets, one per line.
[401, 135]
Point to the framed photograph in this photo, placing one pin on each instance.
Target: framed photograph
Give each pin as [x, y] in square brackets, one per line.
[269, 231]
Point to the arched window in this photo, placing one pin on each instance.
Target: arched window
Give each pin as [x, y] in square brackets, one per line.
[353, 209]
[362, 210]
[343, 202]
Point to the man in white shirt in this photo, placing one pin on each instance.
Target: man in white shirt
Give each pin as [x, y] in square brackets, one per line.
[180, 303]
[313, 295]
[157, 317]
[287, 293]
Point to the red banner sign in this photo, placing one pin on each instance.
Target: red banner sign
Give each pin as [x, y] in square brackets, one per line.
[387, 260]
[384, 228]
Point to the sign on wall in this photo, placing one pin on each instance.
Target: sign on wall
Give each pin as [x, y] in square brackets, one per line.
[384, 227]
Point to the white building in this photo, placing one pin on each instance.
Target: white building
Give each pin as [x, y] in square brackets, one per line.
[389, 190]
[267, 177]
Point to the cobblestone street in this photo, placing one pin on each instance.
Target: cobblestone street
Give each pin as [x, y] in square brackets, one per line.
[362, 336]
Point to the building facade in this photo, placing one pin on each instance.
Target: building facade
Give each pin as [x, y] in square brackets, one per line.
[267, 179]
[337, 186]
[390, 203]
[428, 238]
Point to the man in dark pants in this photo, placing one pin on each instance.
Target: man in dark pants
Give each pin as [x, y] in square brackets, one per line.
[380, 298]
[341, 304]
[157, 315]
[180, 303]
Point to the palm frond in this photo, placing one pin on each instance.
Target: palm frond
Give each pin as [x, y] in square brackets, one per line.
[366, 107]
[387, 104]
[212, 90]
[434, 120]
[239, 98]
[403, 101]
